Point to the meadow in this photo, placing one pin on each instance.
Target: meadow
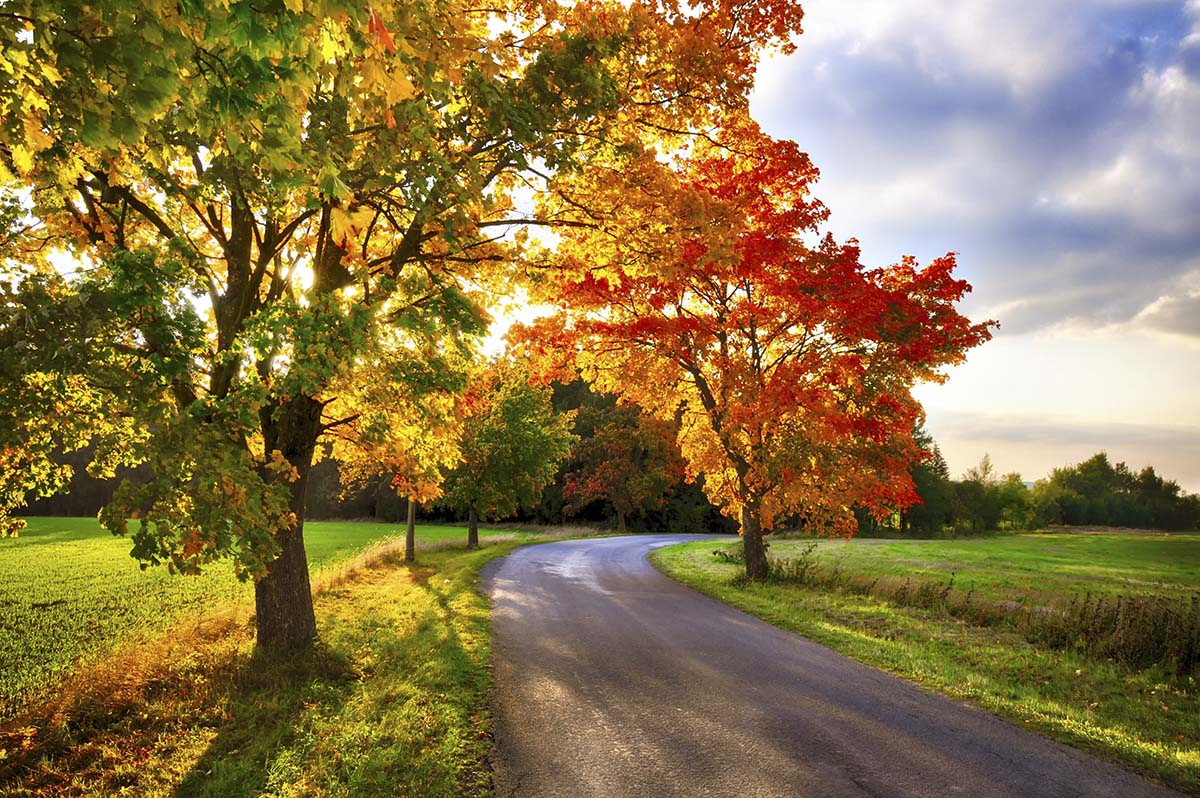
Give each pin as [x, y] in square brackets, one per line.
[1028, 568]
[391, 701]
[70, 592]
[896, 605]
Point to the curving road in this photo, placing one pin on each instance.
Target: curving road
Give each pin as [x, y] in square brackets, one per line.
[612, 680]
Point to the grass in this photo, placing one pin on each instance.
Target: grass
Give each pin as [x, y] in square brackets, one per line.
[1027, 567]
[70, 592]
[1145, 719]
[393, 701]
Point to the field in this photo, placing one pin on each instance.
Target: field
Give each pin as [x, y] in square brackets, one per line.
[391, 702]
[69, 591]
[1038, 568]
[1145, 718]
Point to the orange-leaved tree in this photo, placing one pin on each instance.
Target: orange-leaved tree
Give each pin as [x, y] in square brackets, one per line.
[623, 457]
[707, 295]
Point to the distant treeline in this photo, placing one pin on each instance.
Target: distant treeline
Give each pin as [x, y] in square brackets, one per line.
[626, 471]
[1092, 493]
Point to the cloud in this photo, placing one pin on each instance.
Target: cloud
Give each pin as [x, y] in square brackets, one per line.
[1054, 149]
[1177, 315]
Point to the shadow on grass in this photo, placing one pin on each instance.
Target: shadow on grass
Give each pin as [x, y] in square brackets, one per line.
[263, 721]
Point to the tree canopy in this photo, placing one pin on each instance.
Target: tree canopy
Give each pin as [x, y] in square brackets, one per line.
[707, 296]
[283, 224]
[511, 446]
[623, 457]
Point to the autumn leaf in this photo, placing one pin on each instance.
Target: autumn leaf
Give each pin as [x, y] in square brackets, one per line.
[345, 225]
[376, 27]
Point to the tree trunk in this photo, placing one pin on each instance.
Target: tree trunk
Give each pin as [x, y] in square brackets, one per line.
[752, 543]
[620, 521]
[283, 604]
[410, 533]
[472, 529]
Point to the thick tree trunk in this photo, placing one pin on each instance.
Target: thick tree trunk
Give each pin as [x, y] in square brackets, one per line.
[283, 598]
[620, 521]
[472, 529]
[410, 533]
[752, 542]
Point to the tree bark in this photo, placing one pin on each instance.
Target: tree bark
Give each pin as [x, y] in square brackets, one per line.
[472, 529]
[410, 533]
[752, 542]
[284, 617]
[620, 521]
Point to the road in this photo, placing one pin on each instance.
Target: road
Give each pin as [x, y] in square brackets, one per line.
[612, 680]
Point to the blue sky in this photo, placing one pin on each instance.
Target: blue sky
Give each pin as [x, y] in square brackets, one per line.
[1055, 146]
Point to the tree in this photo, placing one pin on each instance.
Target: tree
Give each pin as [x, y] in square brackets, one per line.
[932, 487]
[976, 497]
[984, 473]
[1012, 498]
[511, 447]
[625, 458]
[290, 205]
[787, 362]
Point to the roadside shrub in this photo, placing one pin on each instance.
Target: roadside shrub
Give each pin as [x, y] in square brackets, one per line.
[734, 553]
[795, 569]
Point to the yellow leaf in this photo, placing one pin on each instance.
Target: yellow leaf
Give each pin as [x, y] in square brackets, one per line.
[399, 88]
[344, 225]
[37, 138]
[51, 74]
[34, 101]
[331, 47]
[22, 159]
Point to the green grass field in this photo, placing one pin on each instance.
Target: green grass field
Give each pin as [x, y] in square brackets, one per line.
[1146, 719]
[1045, 566]
[69, 591]
[392, 701]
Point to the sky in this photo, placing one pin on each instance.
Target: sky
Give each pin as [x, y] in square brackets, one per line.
[1055, 146]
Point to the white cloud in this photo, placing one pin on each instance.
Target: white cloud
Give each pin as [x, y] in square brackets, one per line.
[1055, 149]
[1175, 315]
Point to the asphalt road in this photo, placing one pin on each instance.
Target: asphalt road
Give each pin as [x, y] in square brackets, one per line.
[612, 680]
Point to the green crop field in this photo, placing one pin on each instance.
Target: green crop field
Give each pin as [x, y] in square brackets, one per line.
[69, 590]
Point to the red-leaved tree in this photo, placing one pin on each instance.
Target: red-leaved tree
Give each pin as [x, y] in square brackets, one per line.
[787, 360]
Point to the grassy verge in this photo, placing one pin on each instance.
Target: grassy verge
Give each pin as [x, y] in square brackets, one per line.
[70, 592]
[391, 703]
[1030, 568]
[1147, 719]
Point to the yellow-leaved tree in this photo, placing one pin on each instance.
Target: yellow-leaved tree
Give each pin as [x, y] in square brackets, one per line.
[275, 229]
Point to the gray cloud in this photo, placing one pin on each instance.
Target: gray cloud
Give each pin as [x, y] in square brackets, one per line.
[1055, 150]
[1178, 315]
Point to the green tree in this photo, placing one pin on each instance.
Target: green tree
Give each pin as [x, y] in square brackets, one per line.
[931, 483]
[280, 222]
[976, 500]
[511, 447]
[1012, 498]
